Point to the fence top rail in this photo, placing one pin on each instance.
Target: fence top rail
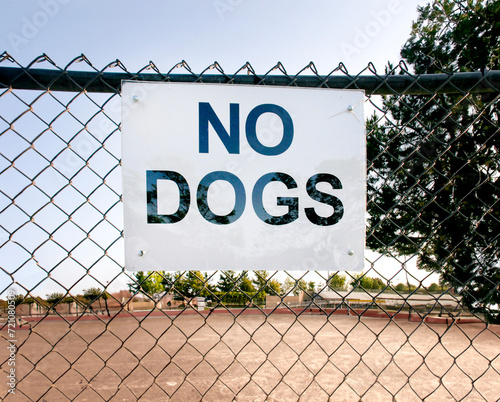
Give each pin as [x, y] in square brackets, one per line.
[110, 82]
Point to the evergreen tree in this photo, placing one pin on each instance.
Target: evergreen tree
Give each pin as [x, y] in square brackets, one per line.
[196, 284]
[264, 285]
[228, 281]
[187, 285]
[175, 284]
[433, 179]
[245, 283]
[260, 279]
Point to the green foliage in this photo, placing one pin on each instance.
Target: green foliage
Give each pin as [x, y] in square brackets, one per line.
[28, 300]
[36, 300]
[93, 294]
[337, 282]
[196, 284]
[260, 279]
[187, 285]
[433, 179]
[265, 285]
[55, 298]
[147, 283]
[260, 284]
[174, 284]
[230, 281]
[274, 287]
[288, 284]
[400, 287]
[435, 288]
[295, 286]
[235, 298]
[245, 284]
[453, 36]
[403, 288]
[18, 299]
[227, 281]
[81, 300]
[366, 282]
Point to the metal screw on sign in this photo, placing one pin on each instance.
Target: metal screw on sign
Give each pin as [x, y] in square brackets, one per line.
[142, 253]
[350, 108]
[350, 252]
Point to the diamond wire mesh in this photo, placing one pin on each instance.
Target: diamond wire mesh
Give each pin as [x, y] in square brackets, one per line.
[61, 237]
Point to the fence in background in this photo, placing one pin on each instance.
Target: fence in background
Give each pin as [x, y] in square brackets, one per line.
[432, 198]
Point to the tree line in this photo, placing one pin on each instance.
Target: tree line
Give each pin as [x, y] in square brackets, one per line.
[52, 300]
[232, 287]
[241, 287]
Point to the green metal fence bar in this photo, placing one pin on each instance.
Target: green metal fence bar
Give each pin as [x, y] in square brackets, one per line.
[428, 84]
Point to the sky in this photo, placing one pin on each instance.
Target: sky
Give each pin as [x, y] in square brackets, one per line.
[200, 32]
[231, 32]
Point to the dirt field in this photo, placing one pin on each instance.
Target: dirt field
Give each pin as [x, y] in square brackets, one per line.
[253, 357]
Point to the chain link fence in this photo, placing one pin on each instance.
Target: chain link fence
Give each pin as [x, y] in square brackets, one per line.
[77, 326]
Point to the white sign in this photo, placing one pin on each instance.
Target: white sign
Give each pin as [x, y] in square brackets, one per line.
[243, 177]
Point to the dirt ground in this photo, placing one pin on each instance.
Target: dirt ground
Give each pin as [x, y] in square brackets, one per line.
[253, 358]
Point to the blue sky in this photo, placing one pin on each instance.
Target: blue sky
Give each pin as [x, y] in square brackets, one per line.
[200, 32]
